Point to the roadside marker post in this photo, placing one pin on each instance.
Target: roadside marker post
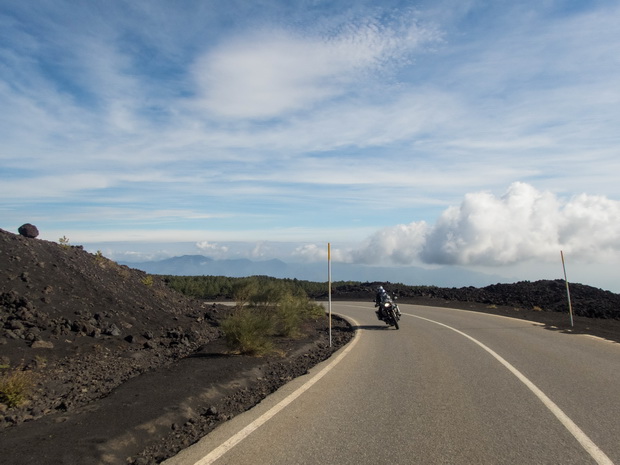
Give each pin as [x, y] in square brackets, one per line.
[329, 289]
[570, 307]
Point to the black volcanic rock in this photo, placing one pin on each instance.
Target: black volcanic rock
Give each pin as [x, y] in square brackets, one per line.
[28, 230]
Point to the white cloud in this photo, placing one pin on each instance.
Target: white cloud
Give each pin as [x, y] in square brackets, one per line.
[267, 74]
[522, 225]
[48, 187]
[590, 227]
[261, 250]
[310, 253]
[315, 253]
[400, 244]
[212, 249]
[485, 229]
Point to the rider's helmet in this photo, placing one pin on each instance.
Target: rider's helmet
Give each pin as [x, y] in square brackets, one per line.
[380, 289]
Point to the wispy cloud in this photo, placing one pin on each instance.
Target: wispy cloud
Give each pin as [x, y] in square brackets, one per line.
[268, 74]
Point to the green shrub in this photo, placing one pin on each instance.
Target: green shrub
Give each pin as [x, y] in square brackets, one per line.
[248, 331]
[313, 311]
[100, 259]
[15, 386]
[269, 295]
[243, 291]
[64, 242]
[288, 316]
[266, 309]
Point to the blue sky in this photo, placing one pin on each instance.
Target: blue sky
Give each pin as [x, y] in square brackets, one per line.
[480, 134]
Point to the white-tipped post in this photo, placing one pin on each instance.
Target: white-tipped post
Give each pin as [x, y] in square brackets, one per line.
[329, 289]
[570, 307]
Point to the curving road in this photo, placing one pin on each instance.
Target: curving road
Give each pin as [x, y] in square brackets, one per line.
[450, 387]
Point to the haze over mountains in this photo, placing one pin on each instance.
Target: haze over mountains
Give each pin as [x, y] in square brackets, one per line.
[197, 265]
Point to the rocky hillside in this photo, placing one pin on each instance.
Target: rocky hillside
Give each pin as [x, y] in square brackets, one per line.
[83, 324]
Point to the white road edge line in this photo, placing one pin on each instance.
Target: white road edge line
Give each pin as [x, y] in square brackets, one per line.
[597, 454]
[249, 429]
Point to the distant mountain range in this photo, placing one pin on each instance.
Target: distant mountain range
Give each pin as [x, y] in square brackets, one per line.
[199, 265]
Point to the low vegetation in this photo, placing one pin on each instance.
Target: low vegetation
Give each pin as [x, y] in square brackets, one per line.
[64, 241]
[15, 385]
[275, 309]
[248, 331]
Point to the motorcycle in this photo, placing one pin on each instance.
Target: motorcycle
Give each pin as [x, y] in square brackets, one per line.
[390, 311]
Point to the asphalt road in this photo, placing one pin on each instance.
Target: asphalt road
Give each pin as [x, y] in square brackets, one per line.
[449, 387]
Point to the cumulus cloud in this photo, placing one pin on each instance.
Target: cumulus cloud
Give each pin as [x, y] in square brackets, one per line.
[400, 244]
[315, 253]
[213, 249]
[523, 224]
[488, 230]
[266, 249]
[591, 226]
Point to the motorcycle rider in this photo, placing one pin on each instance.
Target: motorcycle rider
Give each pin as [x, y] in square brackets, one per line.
[380, 297]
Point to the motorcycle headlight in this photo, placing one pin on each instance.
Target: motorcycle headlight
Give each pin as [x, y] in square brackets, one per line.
[386, 304]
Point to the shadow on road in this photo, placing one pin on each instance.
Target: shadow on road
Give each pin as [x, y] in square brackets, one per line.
[371, 327]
